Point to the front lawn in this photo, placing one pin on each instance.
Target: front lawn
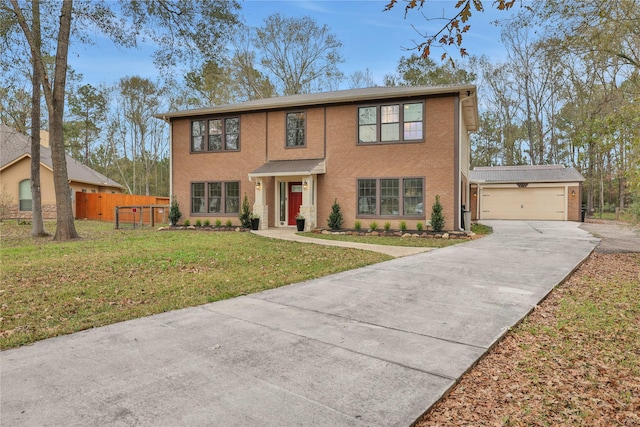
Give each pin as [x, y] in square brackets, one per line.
[417, 242]
[109, 275]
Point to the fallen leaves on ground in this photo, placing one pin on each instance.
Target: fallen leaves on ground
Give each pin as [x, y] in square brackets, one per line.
[574, 361]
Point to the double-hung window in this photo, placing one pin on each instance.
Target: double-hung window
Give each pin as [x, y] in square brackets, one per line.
[295, 129]
[389, 197]
[387, 123]
[215, 134]
[215, 197]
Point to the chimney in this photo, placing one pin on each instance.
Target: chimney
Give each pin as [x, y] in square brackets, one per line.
[44, 138]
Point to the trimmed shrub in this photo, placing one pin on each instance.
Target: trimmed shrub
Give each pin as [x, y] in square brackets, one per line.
[437, 219]
[245, 213]
[174, 212]
[335, 218]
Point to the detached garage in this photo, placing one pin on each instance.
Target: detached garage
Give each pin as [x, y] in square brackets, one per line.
[541, 192]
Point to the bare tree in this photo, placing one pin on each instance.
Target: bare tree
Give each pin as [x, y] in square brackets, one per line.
[361, 79]
[302, 56]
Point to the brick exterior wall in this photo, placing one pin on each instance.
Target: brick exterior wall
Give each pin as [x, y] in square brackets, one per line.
[331, 133]
[574, 210]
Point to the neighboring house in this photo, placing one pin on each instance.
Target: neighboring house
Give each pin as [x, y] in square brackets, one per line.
[15, 176]
[382, 153]
[544, 192]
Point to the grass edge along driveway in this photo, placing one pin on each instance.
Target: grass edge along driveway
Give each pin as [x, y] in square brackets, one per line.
[49, 289]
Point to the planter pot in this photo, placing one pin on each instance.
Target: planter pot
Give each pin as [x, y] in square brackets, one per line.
[255, 223]
[300, 224]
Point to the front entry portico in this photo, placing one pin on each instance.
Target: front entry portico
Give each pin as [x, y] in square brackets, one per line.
[285, 189]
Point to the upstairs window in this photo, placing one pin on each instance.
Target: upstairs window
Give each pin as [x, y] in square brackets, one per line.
[295, 129]
[215, 135]
[391, 123]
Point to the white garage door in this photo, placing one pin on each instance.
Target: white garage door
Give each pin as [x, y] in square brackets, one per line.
[523, 203]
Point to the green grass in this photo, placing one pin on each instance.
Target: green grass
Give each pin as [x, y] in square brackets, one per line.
[417, 242]
[624, 217]
[481, 229]
[109, 275]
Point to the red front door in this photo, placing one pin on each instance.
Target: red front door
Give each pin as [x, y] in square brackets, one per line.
[295, 200]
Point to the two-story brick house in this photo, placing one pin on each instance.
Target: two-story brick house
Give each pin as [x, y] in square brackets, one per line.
[383, 153]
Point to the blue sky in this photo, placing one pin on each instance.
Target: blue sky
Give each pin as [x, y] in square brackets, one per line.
[371, 38]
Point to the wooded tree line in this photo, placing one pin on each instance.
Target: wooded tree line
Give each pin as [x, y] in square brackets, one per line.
[567, 92]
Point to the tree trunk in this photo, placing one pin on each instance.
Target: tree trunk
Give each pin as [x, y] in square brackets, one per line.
[37, 228]
[54, 95]
[66, 229]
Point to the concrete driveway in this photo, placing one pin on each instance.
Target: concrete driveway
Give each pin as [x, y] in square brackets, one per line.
[617, 237]
[376, 346]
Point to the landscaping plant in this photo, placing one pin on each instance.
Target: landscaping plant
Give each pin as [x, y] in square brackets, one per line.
[245, 213]
[174, 211]
[335, 218]
[437, 219]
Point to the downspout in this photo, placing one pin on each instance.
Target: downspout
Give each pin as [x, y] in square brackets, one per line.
[458, 153]
[170, 157]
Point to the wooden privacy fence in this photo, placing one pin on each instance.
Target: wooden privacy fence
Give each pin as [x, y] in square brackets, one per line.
[102, 206]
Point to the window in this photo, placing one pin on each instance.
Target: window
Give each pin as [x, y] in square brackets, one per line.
[397, 123]
[221, 134]
[197, 135]
[367, 119]
[197, 197]
[412, 122]
[388, 197]
[295, 129]
[220, 197]
[24, 190]
[367, 197]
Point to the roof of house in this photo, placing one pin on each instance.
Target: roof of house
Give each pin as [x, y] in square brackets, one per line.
[15, 146]
[466, 92]
[527, 173]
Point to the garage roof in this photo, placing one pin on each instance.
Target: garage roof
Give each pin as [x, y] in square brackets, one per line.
[528, 173]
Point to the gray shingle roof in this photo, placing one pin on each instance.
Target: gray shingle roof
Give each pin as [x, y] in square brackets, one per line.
[290, 167]
[14, 146]
[335, 97]
[531, 173]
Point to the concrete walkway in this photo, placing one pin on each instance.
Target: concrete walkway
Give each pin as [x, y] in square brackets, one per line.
[289, 233]
[375, 346]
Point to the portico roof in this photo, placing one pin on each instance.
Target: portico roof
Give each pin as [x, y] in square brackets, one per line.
[290, 168]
